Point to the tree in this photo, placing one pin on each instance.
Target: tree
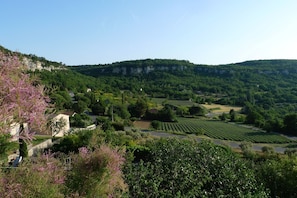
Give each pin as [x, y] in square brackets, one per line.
[138, 109]
[122, 111]
[80, 106]
[232, 114]
[197, 110]
[156, 124]
[290, 124]
[223, 116]
[279, 176]
[166, 114]
[61, 99]
[22, 99]
[98, 108]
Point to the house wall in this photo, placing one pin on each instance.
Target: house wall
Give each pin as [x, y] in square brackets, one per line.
[60, 132]
[15, 131]
[43, 145]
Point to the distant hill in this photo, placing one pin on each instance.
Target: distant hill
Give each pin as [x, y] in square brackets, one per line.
[180, 66]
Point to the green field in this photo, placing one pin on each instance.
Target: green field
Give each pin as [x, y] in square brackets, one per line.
[173, 102]
[224, 131]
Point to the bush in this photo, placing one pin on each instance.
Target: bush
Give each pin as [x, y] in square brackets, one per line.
[97, 173]
[156, 124]
[38, 177]
[183, 168]
[118, 126]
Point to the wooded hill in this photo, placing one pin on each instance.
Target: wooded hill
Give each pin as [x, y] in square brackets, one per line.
[265, 82]
[265, 88]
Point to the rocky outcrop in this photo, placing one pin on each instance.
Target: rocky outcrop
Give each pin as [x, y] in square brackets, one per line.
[38, 65]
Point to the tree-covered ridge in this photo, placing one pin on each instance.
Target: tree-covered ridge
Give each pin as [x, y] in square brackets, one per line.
[270, 82]
[134, 67]
[148, 65]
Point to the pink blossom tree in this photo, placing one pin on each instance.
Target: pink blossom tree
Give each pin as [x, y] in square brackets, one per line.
[22, 100]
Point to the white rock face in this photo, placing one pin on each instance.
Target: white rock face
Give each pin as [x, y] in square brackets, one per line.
[37, 65]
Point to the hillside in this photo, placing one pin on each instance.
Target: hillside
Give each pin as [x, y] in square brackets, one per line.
[150, 65]
[266, 89]
[248, 81]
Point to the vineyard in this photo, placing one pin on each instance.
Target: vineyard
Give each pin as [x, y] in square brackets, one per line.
[221, 130]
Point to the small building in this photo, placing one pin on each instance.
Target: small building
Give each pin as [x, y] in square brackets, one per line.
[60, 125]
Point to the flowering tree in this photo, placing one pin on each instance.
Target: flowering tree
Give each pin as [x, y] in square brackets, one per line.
[21, 99]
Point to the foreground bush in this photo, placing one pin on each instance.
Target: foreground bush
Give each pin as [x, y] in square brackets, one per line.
[180, 168]
[39, 177]
[96, 173]
[91, 173]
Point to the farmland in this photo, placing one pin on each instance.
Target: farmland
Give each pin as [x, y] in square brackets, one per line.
[217, 108]
[221, 130]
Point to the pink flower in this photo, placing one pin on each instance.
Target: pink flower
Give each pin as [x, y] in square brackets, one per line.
[21, 100]
[83, 151]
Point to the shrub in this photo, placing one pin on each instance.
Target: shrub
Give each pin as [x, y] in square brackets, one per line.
[96, 173]
[156, 124]
[38, 177]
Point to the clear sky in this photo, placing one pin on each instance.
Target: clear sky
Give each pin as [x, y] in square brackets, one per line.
[105, 31]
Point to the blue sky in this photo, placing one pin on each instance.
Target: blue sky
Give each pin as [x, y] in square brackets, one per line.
[105, 31]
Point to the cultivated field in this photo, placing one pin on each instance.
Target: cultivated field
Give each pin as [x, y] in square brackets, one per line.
[142, 124]
[214, 108]
[217, 108]
[173, 102]
[224, 131]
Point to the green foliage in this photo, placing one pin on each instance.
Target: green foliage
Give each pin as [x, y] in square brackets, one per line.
[156, 124]
[80, 106]
[23, 148]
[139, 108]
[181, 168]
[80, 120]
[98, 108]
[197, 110]
[104, 122]
[122, 111]
[72, 142]
[279, 176]
[6, 146]
[223, 116]
[247, 151]
[268, 150]
[290, 124]
[232, 114]
[118, 126]
[61, 100]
